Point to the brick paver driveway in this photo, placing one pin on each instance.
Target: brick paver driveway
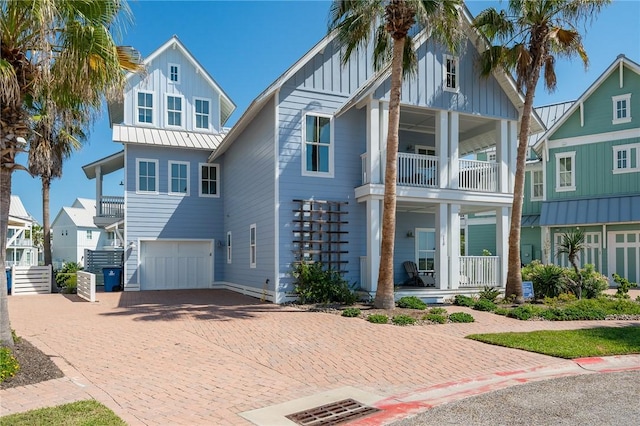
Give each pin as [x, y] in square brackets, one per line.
[204, 356]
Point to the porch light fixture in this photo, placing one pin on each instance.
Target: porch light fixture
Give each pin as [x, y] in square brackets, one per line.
[131, 245]
[410, 234]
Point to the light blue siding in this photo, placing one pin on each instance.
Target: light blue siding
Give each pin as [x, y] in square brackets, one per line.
[405, 247]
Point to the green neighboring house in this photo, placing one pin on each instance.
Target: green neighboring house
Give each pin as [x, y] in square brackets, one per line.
[584, 171]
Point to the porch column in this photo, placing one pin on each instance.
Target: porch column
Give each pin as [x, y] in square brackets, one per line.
[442, 246]
[442, 148]
[546, 245]
[374, 208]
[513, 153]
[373, 141]
[454, 245]
[382, 135]
[98, 190]
[502, 155]
[502, 243]
[454, 164]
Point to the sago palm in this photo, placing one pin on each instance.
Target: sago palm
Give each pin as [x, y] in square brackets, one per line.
[571, 244]
[387, 24]
[527, 38]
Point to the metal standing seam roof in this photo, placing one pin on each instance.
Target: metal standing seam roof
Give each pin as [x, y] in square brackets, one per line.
[591, 211]
[549, 114]
[167, 138]
[16, 208]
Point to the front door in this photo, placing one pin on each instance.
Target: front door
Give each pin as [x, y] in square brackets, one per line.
[425, 249]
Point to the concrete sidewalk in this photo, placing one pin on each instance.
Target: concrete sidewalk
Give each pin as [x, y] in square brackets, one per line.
[216, 357]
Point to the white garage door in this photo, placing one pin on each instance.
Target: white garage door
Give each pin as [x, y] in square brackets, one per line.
[624, 254]
[172, 265]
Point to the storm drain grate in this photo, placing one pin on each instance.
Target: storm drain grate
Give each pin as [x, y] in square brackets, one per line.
[332, 414]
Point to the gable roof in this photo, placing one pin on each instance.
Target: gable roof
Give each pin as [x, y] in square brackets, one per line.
[549, 114]
[85, 203]
[620, 61]
[16, 208]
[81, 217]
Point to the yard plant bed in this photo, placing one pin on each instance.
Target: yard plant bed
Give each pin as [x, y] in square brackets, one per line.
[35, 366]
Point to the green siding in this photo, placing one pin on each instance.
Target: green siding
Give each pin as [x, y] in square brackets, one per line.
[528, 206]
[530, 236]
[481, 237]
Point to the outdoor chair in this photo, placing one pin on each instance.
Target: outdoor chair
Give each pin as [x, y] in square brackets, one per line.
[414, 276]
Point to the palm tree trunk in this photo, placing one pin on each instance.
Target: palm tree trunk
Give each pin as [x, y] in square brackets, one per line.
[385, 292]
[5, 196]
[46, 225]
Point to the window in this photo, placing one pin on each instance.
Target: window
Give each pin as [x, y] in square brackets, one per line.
[89, 235]
[451, 83]
[147, 171]
[202, 113]
[174, 111]
[621, 109]
[252, 246]
[209, 180]
[174, 73]
[178, 178]
[491, 157]
[565, 171]
[425, 249]
[626, 158]
[145, 107]
[425, 150]
[317, 147]
[229, 247]
[537, 185]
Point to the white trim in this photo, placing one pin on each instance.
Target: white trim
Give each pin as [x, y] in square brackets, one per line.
[229, 246]
[627, 148]
[153, 108]
[571, 155]
[456, 74]
[533, 184]
[253, 246]
[170, 178]
[276, 196]
[303, 137]
[157, 181]
[195, 113]
[178, 72]
[627, 109]
[182, 111]
[217, 180]
[595, 138]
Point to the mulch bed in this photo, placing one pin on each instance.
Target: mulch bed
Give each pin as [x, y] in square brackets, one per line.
[35, 366]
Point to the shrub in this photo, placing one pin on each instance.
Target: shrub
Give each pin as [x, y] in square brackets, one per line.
[378, 318]
[502, 311]
[489, 293]
[548, 280]
[593, 282]
[461, 300]
[438, 311]
[67, 275]
[411, 302]
[8, 364]
[623, 286]
[461, 317]
[351, 312]
[437, 318]
[484, 305]
[525, 312]
[561, 299]
[316, 285]
[403, 320]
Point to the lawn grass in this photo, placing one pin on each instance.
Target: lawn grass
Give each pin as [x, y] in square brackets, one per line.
[89, 412]
[601, 341]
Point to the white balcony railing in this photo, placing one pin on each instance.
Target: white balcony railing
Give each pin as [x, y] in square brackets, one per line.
[417, 170]
[478, 175]
[19, 242]
[479, 271]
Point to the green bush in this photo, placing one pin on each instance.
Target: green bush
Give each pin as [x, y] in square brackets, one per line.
[403, 320]
[624, 285]
[411, 302]
[438, 311]
[502, 311]
[316, 285]
[593, 282]
[67, 275]
[552, 280]
[489, 293]
[525, 312]
[378, 318]
[461, 300]
[437, 318]
[484, 305]
[461, 317]
[351, 312]
[8, 364]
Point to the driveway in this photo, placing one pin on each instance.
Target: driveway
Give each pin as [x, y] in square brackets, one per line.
[217, 357]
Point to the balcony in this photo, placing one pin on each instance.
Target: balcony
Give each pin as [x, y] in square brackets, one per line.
[19, 242]
[110, 209]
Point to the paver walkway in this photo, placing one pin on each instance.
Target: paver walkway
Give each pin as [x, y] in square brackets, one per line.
[205, 356]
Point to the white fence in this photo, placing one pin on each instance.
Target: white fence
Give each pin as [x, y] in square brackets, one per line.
[87, 286]
[479, 271]
[31, 280]
[478, 175]
[417, 170]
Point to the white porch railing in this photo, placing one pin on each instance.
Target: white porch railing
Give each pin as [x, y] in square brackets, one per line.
[417, 170]
[479, 271]
[19, 242]
[478, 175]
[111, 206]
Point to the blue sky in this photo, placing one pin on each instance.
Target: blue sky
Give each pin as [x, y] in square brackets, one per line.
[246, 45]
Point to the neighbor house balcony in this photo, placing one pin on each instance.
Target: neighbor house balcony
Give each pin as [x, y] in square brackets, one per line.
[19, 242]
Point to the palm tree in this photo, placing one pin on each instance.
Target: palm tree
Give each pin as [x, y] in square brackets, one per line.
[387, 23]
[571, 244]
[62, 47]
[529, 35]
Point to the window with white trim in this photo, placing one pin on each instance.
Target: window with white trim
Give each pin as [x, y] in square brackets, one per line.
[565, 171]
[450, 73]
[209, 180]
[201, 110]
[178, 178]
[626, 158]
[537, 184]
[145, 107]
[229, 247]
[317, 146]
[174, 73]
[174, 111]
[147, 175]
[621, 108]
[252, 246]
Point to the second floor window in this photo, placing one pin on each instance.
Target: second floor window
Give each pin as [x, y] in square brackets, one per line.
[565, 171]
[178, 177]
[89, 235]
[451, 76]
[318, 150]
[626, 158]
[209, 180]
[145, 107]
[147, 175]
[202, 113]
[174, 111]
[537, 184]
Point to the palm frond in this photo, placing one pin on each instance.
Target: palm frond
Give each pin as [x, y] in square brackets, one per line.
[494, 24]
[550, 80]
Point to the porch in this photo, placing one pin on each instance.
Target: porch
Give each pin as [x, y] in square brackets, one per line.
[109, 208]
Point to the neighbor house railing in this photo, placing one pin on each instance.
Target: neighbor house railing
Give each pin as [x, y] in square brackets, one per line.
[111, 206]
[479, 271]
[478, 175]
[19, 242]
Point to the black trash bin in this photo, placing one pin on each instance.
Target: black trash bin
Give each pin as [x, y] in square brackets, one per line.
[111, 277]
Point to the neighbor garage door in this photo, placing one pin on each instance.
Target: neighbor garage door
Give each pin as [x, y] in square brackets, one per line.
[624, 254]
[171, 265]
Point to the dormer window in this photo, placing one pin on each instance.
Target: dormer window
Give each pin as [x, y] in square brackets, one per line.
[174, 73]
[145, 107]
[621, 108]
[450, 73]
